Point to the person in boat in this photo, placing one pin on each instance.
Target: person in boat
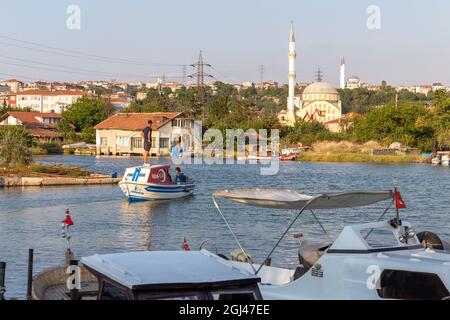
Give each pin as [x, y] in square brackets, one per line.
[147, 137]
[180, 177]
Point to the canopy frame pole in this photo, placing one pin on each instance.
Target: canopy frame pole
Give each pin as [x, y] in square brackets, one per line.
[232, 233]
[388, 206]
[287, 230]
[320, 224]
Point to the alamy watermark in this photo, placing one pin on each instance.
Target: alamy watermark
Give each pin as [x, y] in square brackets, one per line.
[374, 19]
[373, 280]
[234, 146]
[73, 21]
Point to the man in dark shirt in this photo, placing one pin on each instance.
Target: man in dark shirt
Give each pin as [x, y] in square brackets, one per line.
[147, 136]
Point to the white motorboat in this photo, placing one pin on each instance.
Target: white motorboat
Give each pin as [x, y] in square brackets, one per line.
[436, 161]
[445, 160]
[153, 183]
[385, 259]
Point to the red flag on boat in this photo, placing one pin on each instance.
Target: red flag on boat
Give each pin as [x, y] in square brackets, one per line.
[186, 245]
[68, 219]
[399, 203]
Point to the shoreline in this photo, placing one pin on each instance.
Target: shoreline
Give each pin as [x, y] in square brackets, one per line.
[348, 157]
[40, 175]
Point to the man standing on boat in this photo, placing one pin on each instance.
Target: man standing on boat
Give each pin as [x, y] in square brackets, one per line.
[147, 136]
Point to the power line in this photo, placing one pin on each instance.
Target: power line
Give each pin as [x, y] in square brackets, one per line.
[22, 77]
[65, 71]
[79, 55]
[73, 68]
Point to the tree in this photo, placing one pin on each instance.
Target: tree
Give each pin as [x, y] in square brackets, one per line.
[86, 112]
[66, 129]
[15, 143]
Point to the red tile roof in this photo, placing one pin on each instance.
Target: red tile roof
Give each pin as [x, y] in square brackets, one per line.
[44, 133]
[53, 93]
[137, 121]
[29, 119]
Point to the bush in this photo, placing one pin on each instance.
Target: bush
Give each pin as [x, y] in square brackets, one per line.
[60, 170]
[15, 145]
[51, 147]
[88, 135]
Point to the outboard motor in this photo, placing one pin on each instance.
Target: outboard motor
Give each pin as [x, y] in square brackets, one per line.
[430, 239]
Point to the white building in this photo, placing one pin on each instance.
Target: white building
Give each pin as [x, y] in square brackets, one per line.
[353, 82]
[47, 101]
[437, 86]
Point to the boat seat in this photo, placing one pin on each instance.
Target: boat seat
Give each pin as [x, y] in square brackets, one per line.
[309, 253]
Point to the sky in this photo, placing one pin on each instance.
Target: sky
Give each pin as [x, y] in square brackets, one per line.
[141, 39]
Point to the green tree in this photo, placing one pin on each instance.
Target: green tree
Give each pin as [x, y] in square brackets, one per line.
[86, 112]
[88, 135]
[66, 129]
[15, 143]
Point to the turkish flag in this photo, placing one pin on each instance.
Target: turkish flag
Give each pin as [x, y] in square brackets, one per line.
[186, 245]
[399, 203]
[68, 221]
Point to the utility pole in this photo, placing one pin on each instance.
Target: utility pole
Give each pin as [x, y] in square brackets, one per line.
[200, 76]
[184, 74]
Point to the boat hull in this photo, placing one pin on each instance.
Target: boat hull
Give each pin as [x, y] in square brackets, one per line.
[136, 191]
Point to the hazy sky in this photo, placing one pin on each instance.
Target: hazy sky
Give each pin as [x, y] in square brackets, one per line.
[412, 46]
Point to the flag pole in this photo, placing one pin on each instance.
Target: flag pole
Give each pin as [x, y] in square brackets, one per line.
[397, 212]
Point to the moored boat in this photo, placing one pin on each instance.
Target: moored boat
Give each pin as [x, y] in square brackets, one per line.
[153, 183]
[148, 275]
[385, 259]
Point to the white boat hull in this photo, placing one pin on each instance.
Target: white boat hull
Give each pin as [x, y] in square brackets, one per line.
[138, 191]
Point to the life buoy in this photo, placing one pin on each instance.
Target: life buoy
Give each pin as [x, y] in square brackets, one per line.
[162, 175]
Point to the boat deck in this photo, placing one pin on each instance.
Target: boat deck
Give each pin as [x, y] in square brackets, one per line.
[60, 292]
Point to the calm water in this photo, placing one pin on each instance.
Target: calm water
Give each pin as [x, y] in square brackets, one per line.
[105, 222]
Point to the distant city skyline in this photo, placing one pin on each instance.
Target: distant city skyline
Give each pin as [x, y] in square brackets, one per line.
[136, 40]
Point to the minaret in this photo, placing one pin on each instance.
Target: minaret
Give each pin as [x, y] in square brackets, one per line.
[342, 74]
[291, 76]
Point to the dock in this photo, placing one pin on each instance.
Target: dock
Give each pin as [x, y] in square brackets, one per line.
[15, 181]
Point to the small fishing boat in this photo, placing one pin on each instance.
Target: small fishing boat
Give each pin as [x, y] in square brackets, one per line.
[436, 160]
[153, 183]
[51, 284]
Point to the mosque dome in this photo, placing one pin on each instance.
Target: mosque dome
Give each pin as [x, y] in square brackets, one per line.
[354, 79]
[320, 91]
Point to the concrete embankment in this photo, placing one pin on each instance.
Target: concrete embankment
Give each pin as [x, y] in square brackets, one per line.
[15, 181]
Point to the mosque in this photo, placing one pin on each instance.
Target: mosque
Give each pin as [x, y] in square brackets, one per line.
[318, 101]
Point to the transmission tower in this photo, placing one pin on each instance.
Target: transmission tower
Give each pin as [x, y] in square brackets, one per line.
[200, 76]
[261, 74]
[319, 75]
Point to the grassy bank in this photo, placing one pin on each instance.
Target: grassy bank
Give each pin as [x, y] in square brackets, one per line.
[42, 170]
[345, 151]
[312, 156]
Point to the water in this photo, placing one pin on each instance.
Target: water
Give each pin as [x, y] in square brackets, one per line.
[105, 222]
